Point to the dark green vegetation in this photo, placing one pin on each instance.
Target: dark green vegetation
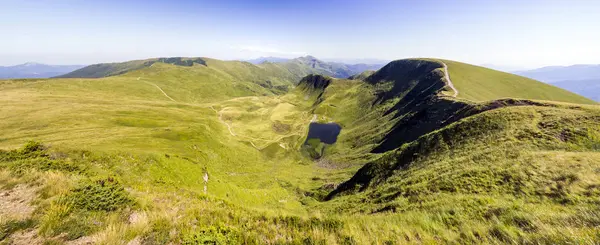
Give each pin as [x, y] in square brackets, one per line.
[128, 157]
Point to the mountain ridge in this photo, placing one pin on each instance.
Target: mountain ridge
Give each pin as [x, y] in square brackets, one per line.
[552, 74]
[581, 79]
[35, 70]
[299, 67]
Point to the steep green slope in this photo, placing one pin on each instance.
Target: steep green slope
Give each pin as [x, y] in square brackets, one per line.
[482, 84]
[512, 175]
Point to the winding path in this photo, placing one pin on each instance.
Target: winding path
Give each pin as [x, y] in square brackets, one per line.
[248, 138]
[223, 121]
[158, 89]
[447, 76]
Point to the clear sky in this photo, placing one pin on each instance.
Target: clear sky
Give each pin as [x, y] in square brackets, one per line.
[523, 34]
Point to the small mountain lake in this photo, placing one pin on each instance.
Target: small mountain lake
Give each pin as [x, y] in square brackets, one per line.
[325, 132]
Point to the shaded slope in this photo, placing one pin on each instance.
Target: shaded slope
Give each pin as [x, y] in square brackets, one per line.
[405, 100]
[361, 76]
[412, 93]
[411, 89]
[392, 106]
[313, 86]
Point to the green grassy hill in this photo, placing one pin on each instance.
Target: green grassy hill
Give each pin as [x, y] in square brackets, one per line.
[124, 157]
[482, 84]
[512, 175]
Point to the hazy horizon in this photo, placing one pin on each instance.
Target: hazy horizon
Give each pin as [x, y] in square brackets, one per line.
[522, 35]
[505, 68]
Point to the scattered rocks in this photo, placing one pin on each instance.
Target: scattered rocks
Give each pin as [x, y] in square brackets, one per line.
[136, 218]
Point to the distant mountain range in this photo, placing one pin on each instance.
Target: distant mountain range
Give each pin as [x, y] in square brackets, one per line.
[377, 62]
[552, 74]
[504, 68]
[298, 67]
[334, 69]
[581, 79]
[588, 88]
[261, 60]
[35, 70]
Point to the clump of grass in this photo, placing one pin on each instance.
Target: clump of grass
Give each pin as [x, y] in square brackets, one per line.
[82, 211]
[296, 222]
[217, 234]
[9, 227]
[54, 183]
[51, 221]
[105, 194]
[158, 233]
[73, 226]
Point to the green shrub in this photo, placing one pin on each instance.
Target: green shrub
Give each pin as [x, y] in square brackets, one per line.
[100, 195]
[31, 149]
[34, 155]
[296, 222]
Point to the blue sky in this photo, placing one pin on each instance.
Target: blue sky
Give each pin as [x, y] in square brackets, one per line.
[515, 34]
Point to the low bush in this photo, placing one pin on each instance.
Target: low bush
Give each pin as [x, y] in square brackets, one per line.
[100, 195]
